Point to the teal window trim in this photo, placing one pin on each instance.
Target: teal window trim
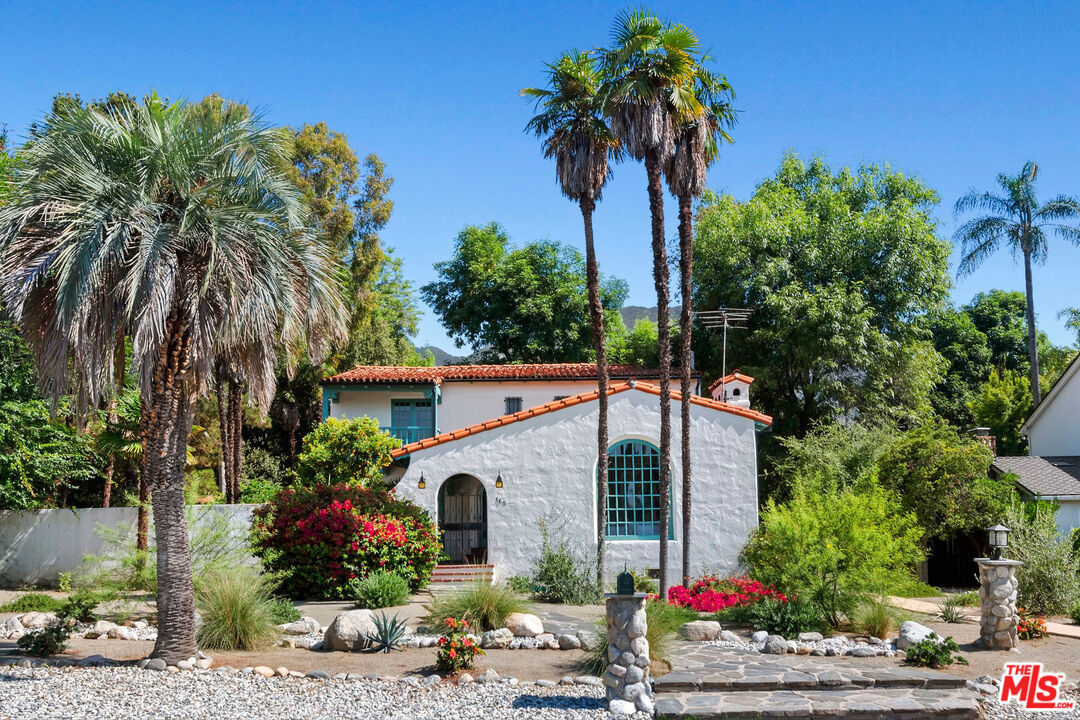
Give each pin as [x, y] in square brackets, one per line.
[331, 391]
[634, 492]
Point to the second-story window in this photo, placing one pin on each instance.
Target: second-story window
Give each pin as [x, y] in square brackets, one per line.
[513, 405]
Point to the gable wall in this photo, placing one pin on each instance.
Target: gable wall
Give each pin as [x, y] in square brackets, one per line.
[1057, 429]
[548, 465]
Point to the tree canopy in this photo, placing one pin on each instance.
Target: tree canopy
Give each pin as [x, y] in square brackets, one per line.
[517, 304]
[837, 268]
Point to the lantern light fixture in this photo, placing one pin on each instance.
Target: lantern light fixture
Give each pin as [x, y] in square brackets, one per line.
[422, 484]
[499, 480]
[998, 537]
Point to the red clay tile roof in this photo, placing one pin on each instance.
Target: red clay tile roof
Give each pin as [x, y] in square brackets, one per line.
[436, 375]
[569, 402]
[729, 378]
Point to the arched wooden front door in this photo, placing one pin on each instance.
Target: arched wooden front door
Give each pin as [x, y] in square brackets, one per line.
[463, 519]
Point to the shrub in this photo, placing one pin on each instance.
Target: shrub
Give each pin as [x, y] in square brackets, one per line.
[713, 594]
[380, 589]
[1029, 627]
[643, 583]
[261, 474]
[830, 550]
[950, 612]
[968, 599]
[259, 490]
[907, 586]
[876, 617]
[1049, 580]
[238, 612]
[1074, 613]
[456, 651]
[785, 617]
[520, 584]
[32, 602]
[562, 574]
[349, 452]
[933, 652]
[53, 638]
[322, 538]
[484, 606]
[283, 611]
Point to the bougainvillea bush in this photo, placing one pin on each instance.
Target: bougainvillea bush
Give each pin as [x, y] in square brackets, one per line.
[713, 594]
[320, 539]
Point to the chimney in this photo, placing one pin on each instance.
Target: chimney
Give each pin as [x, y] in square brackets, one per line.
[982, 434]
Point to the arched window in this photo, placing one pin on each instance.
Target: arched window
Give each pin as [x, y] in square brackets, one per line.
[633, 491]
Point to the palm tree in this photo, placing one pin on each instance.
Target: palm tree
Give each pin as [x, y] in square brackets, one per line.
[1071, 316]
[696, 147]
[651, 71]
[1016, 217]
[572, 124]
[179, 229]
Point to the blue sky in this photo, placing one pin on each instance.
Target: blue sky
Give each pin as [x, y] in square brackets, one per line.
[951, 92]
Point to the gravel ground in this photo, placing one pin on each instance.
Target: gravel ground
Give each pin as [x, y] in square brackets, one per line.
[1012, 711]
[124, 693]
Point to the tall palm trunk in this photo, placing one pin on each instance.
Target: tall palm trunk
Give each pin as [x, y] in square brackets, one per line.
[235, 428]
[686, 323]
[170, 417]
[596, 316]
[1033, 346]
[224, 427]
[119, 362]
[663, 332]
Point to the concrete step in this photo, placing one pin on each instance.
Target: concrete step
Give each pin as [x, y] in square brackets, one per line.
[861, 704]
[762, 678]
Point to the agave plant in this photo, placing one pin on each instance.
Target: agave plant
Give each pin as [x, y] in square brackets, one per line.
[388, 635]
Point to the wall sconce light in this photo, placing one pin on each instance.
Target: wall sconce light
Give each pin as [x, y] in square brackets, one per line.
[421, 484]
[498, 480]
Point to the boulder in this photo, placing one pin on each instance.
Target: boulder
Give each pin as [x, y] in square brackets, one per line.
[569, 642]
[349, 630]
[488, 676]
[700, 630]
[100, 628]
[303, 626]
[11, 626]
[155, 664]
[496, 639]
[811, 637]
[524, 624]
[465, 679]
[775, 645]
[547, 641]
[36, 619]
[120, 632]
[728, 636]
[912, 632]
[589, 639]
[621, 707]
[759, 637]
[318, 675]
[263, 671]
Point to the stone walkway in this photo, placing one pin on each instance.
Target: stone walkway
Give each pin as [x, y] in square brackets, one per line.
[712, 682]
[931, 608]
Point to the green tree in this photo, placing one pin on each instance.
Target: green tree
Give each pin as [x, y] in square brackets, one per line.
[943, 477]
[516, 304]
[832, 458]
[177, 227]
[968, 357]
[652, 70]
[1071, 316]
[837, 269]
[350, 452]
[575, 133]
[1017, 218]
[1002, 404]
[832, 550]
[636, 346]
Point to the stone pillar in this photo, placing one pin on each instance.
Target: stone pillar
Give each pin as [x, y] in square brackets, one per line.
[627, 676]
[997, 592]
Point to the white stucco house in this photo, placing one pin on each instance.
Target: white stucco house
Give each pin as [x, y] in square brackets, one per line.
[490, 450]
[1051, 470]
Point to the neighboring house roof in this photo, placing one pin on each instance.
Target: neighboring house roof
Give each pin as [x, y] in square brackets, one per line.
[731, 378]
[570, 402]
[441, 373]
[1066, 377]
[1057, 476]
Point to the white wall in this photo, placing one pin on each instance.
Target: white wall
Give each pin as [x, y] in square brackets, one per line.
[36, 546]
[1057, 429]
[463, 403]
[548, 465]
[372, 403]
[1068, 515]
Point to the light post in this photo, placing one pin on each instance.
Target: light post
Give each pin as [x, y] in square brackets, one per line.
[997, 592]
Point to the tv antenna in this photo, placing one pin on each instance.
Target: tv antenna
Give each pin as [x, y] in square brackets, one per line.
[725, 319]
